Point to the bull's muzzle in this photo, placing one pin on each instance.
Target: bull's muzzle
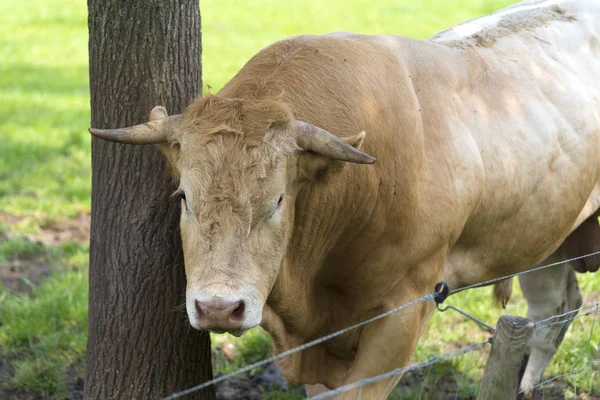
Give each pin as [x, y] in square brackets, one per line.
[219, 314]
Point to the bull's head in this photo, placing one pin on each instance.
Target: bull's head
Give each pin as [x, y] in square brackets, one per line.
[240, 164]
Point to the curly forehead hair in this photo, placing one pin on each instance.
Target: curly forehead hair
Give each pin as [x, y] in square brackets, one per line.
[250, 118]
[228, 144]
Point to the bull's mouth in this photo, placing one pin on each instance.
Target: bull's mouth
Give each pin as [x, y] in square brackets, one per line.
[234, 332]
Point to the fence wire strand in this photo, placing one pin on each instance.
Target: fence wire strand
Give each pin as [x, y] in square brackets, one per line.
[554, 264]
[575, 311]
[564, 321]
[435, 359]
[549, 355]
[305, 346]
[412, 367]
[574, 372]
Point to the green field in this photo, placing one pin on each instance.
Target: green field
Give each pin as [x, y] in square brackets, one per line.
[45, 191]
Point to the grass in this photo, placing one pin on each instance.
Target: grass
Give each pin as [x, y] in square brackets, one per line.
[21, 249]
[234, 353]
[44, 334]
[44, 157]
[45, 180]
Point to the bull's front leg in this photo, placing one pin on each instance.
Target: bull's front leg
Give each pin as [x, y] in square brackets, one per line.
[385, 345]
[389, 343]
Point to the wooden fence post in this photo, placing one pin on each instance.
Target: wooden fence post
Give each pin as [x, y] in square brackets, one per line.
[505, 366]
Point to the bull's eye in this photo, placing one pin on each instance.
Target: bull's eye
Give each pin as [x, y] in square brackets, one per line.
[182, 196]
[278, 206]
[275, 209]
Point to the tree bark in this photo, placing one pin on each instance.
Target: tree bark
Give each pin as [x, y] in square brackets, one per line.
[143, 53]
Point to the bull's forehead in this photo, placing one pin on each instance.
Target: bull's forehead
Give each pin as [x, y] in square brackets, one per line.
[230, 179]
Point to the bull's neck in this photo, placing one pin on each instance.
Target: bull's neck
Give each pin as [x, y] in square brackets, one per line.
[329, 217]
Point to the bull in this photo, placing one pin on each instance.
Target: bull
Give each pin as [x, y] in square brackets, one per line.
[487, 140]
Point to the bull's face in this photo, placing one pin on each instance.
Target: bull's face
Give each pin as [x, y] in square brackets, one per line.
[240, 165]
[236, 216]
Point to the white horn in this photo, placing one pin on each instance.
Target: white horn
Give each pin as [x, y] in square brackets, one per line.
[153, 132]
[321, 142]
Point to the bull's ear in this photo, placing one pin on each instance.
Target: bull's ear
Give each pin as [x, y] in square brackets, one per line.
[323, 151]
[171, 150]
[356, 141]
[158, 112]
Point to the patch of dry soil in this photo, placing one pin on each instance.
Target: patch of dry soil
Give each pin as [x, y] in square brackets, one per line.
[76, 229]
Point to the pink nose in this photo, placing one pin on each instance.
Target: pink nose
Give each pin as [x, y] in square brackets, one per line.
[219, 314]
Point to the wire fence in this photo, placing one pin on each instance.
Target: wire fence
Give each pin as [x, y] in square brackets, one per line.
[399, 371]
[455, 353]
[544, 324]
[563, 318]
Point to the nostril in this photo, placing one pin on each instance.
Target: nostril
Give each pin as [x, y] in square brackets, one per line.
[199, 310]
[238, 312]
[218, 313]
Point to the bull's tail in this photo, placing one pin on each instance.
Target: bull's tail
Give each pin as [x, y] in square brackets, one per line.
[503, 291]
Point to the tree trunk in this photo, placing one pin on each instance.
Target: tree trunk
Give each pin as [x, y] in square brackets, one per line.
[143, 53]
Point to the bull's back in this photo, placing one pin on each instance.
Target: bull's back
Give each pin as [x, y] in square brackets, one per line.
[497, 135]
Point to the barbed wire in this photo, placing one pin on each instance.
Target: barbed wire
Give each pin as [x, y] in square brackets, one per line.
[428, 297]
[399, 371]
[554, 264]
[558, 334]
[305, 346]
[564, 321]
[576, 310]
[574, 372]
[435, 359]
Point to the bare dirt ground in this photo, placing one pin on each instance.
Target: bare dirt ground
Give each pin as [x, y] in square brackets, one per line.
[76, 229]
[22, 275]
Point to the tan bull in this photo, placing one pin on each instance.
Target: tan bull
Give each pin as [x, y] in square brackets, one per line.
[487, 140]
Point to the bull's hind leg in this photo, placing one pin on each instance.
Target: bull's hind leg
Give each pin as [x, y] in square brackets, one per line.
[549, 292]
